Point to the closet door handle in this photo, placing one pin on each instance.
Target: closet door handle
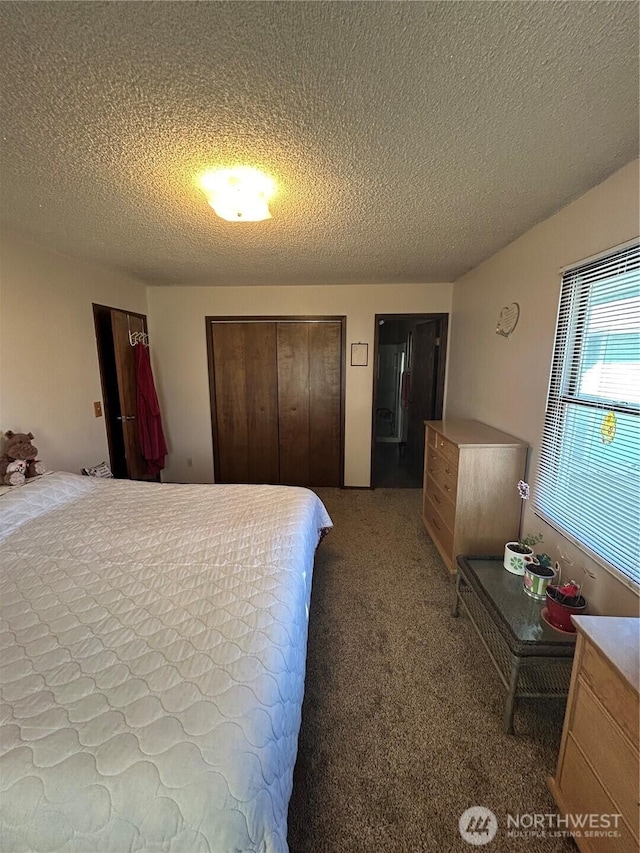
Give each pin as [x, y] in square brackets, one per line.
[126, 418]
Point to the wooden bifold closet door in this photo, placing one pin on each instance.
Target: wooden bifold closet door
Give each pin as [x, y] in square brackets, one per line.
[277, 401]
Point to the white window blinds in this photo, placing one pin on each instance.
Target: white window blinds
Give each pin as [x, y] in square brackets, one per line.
[588, 481]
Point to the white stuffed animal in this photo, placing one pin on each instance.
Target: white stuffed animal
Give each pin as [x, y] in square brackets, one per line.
[15, 473]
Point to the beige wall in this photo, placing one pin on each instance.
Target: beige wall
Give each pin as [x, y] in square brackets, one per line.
[177, 329]
[504, 382]
[49, 374]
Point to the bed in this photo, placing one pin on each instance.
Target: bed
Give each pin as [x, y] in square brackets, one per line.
[152, 651]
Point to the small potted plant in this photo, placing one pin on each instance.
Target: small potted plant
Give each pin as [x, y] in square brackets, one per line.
[538, 574]
[563, 602]
[515, 552]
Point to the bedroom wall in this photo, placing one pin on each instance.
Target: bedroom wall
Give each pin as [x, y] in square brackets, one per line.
[177, 329]
[49, 377]
[504, 382]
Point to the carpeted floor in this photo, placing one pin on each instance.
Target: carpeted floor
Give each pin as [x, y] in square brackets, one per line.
[402, 719]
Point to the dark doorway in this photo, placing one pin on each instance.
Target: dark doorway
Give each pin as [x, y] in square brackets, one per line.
[408, 389]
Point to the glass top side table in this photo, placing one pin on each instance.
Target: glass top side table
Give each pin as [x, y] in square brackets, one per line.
[531, 658]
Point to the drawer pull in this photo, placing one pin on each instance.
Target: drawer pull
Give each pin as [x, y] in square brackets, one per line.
[447, 471]
[448, 488]
[436, 499]
[435, 524]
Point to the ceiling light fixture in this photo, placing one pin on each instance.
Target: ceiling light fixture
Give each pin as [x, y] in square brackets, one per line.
[239, 194]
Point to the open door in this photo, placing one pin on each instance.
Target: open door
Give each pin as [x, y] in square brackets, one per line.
[422, 391]
[408, 389]
[118, 374]
[122, 324]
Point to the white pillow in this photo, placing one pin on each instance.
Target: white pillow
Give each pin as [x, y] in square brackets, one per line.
[101, 470]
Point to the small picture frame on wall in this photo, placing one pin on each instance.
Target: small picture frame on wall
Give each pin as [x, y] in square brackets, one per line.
[359, 355]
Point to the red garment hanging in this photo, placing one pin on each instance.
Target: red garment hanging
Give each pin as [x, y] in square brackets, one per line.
[150, 434]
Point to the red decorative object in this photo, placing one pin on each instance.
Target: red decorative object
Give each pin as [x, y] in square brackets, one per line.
[559, 611]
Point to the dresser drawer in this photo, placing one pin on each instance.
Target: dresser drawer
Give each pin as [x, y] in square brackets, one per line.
[614, 761]
[583, 794]
[443, 472]
[614, 693]
[446, 448]
[444, 506]
[438, 527]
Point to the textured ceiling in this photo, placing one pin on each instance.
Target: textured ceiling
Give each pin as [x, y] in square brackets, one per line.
[410, 140]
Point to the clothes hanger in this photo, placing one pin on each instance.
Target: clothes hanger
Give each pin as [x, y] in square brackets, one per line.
[137, 337]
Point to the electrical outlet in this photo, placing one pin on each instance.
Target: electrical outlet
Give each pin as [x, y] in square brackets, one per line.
[189, 462]
[97, 409]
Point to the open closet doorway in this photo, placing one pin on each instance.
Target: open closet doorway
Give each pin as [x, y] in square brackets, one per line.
[408, 389]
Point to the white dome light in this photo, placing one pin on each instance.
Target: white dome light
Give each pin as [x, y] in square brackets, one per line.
[239, 194]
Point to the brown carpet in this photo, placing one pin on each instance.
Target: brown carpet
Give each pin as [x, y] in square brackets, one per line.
[402, 718]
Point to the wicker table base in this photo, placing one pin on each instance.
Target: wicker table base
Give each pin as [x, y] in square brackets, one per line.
[531, 659]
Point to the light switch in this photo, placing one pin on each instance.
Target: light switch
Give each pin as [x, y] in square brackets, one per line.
[97, 408]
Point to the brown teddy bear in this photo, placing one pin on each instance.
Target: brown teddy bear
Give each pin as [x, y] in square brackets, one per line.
[19, 449]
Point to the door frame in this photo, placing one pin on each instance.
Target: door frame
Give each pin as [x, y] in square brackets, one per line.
[443, 328]
[275, 318]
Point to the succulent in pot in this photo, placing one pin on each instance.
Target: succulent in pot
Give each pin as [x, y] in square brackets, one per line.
[538, 575]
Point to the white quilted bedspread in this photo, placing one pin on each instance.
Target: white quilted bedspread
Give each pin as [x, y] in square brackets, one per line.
[152, 650]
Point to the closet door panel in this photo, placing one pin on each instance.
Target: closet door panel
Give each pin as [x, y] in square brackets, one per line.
[276, 394]
[262, 402]
[325, 379]
[231, 406]
[293, 403]
[244, 356]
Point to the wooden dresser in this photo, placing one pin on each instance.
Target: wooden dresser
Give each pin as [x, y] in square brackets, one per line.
[470, 501]
[598, 769]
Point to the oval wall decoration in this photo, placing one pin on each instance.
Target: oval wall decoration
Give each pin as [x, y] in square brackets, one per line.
[508, 319]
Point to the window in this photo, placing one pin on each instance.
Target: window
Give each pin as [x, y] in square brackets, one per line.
[588, 482]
